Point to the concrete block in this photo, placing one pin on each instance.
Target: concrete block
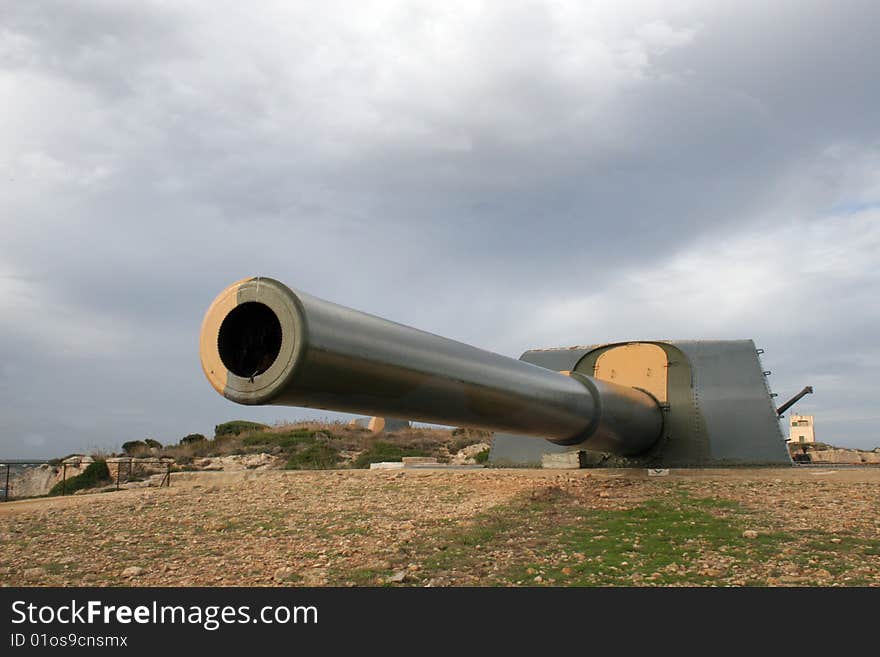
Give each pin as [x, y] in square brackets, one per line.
[564, 461]
[387, 465]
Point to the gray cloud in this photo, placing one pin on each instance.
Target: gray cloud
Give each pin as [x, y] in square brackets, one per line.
[540, 174]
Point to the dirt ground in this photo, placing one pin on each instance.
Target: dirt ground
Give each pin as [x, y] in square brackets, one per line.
[493, 527]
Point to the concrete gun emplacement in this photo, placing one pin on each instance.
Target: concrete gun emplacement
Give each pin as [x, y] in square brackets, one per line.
[653, 403]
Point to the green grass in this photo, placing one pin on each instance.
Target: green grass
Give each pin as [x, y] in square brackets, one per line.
[654, 541]
[382, 451]
[669, 540]
[288, 441]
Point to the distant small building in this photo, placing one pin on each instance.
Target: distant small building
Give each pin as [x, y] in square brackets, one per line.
[800, 429]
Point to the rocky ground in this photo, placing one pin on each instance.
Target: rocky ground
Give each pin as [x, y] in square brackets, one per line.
[798, 526]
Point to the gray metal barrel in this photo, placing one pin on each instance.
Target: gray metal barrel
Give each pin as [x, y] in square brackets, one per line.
[263, 343]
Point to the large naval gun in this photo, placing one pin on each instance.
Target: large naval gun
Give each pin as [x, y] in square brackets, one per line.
[651, 403]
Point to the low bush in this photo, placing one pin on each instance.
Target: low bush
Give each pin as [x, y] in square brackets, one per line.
[316, 456]
[192, 438]
[95, 474]
[286, 440]
[236, 427]
[134, 447]
[382, 451]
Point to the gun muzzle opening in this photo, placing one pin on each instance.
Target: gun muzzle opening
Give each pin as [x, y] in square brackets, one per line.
[249, 339]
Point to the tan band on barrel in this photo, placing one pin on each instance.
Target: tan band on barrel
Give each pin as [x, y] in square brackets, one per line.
[209, 354]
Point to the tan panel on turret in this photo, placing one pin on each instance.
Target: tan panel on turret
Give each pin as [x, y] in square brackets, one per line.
[638, 365]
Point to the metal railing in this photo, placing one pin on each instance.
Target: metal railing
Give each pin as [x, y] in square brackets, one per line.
[134, 461]
[119, 479]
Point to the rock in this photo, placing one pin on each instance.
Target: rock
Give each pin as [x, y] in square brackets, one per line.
[564, 460]
[750, 533]
[77, 460]
[835, 455]
[32, 481]
[315, 577]
[133, 571]
[397, 577]
[465, 456]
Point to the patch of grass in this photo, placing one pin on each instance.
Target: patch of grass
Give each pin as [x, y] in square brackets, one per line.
[653, 541]
[361, 576]
[53, 568]
[823, 545]
[675, 540]
[382, 451]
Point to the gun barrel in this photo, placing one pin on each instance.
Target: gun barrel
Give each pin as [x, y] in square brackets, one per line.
[264, 343]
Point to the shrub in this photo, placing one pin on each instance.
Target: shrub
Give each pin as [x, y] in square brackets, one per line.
[476, 434]
[152, 444]
[134, 447]
[316, 456]
[482, 457]
[95, 474]
[287, 440]
[192, 439]
[383, 451]
[236, 427]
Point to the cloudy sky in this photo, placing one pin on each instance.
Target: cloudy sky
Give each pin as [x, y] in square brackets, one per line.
[508, 174]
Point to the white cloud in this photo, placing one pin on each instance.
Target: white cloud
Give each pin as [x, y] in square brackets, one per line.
[31, 313]
[781, 280]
